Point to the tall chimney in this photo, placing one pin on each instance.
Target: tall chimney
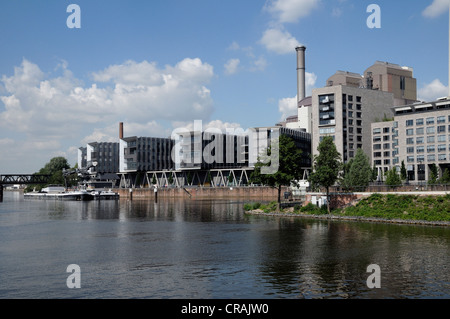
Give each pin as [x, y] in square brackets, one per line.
[300, 72]
[121, 130]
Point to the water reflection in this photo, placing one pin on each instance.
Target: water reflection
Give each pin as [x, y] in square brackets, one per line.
[211, 249]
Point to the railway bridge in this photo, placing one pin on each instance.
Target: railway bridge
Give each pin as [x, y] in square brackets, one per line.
[14, 179]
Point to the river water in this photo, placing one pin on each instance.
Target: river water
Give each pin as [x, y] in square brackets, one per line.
[209, 249]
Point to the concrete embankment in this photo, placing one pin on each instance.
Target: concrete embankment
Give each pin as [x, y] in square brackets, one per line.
[354, 218]
[261, 193]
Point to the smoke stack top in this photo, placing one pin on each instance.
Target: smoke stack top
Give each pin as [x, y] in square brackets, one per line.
[121, 130]
[301, 69]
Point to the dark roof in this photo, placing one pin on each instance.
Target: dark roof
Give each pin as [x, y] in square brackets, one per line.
[307, 101]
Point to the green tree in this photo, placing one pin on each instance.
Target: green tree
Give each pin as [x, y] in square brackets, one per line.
[359, 173]
[403, 172]
[289, 158]
[326, 166]
[54, 168]
[374, 174]
[433, 174]
[393, 178]
[445, 178]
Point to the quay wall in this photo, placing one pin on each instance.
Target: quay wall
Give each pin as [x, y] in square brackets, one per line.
[262, 193]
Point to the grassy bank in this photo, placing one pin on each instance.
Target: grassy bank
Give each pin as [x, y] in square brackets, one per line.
[387, 207]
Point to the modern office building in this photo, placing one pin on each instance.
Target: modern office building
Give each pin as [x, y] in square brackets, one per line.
[346, 113]
[141, 154]
[210, 150]
[104, 156]
[418, 135]
[100, 157]
[82, 157]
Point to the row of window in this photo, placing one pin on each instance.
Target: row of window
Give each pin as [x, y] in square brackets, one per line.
[430, 158]
[429, 130]
[430, 149]
[430, 139]
[428, 121]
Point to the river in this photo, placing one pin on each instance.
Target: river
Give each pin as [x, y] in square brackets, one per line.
[209, 249]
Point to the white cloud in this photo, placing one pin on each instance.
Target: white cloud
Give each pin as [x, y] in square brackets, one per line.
[432, 91]
[139, 91]
[231, 67]
[288, 106]
[259, 64]
[291, 10]
[48, 109]
[436, 8]
[279, 41]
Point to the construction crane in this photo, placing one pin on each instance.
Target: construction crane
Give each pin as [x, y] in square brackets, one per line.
[83, 173]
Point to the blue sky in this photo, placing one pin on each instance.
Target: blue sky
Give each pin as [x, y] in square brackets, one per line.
[157, 65]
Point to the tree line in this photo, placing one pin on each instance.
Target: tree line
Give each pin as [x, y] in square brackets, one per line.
[328, 169]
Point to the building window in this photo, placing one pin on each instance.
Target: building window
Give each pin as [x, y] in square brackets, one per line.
[442, 157]
[441, 138]
[442, 148]
[430, 139]
[350, 98]
[419, 131]
[387, 154]
[386, 138]
[441, 129]
[431, 158]
[350, 122]
[386, 130]
[419, 122]
[377, 139]
[377, 154]
[420, 149]
[420, 158]
[410, 159]
[387, 162]
[376, 131]
[377, 146]
[419, 140]
[431, 148]
[431, 130]
[409, 122]
[358, 99]
[441, 119]
[430, 120]
[409, 132]
[386, 146]
[359, 122]
[410, 140]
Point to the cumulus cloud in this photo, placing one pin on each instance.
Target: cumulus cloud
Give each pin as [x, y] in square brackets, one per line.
[136, 91]
[291, 11]
[279, 41]
[436, 8]
[231, 67]
[288, 106]
[46, 109]
[432, 91]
